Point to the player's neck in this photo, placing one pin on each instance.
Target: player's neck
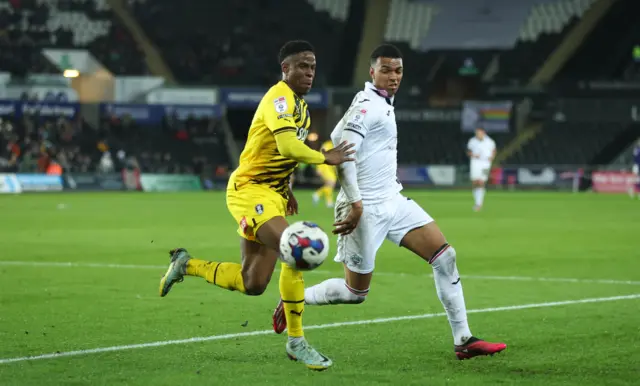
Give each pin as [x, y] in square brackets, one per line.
[289, 85]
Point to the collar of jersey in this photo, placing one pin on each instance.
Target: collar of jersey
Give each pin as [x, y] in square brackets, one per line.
[368, 86]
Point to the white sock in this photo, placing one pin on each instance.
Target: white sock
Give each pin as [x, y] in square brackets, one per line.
[476, 196]
[449, 289]
[333, 291]
[481, 192]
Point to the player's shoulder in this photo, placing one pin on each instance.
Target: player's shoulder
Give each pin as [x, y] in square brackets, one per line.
[279, 96]
[279, 91]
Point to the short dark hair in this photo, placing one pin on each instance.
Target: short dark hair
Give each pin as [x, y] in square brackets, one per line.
[385, 51]
[294, 47]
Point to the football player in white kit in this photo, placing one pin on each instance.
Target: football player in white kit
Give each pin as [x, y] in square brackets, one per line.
[370, 208]
[481, 150]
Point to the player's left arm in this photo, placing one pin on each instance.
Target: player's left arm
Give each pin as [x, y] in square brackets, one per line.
[278, 117]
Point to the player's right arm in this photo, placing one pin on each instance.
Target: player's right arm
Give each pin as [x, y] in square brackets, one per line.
[279, 119]
[356, 126]
[469, 151]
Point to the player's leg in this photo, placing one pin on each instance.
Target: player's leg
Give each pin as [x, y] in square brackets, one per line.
[479, 174]
[292, 300]
[251, 277]
[415, 230]
[357, 252]
[329, 186]
[319, 193]
[251, 207]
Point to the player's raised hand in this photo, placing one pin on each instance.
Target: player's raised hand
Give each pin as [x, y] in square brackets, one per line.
[350, 223]
[339, 154]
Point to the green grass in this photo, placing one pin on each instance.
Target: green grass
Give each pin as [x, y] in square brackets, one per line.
[47, 308]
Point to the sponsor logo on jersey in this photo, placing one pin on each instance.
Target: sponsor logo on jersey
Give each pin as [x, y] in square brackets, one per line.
[302, 133]
[280, 104]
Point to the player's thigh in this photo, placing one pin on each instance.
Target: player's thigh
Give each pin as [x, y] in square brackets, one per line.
[479, 173]
[357, 250]
[414, 229]
[271, 231]
[252, 206]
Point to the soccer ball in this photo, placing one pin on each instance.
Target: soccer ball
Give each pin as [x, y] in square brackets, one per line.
[304, 246]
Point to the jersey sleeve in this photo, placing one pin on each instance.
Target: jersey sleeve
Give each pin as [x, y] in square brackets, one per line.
[278, 112]
[359, 120]
[469, 144]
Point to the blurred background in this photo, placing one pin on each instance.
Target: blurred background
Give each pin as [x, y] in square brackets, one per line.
[159, 94]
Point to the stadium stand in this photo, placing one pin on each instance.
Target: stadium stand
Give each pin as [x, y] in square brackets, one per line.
[547, 24]
[178, 146]
[613, 38]
[235, 43]
[29, 25]
[568, 144]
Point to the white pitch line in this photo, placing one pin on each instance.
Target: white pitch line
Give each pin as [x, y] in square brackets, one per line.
[314, 327]
[321, 272]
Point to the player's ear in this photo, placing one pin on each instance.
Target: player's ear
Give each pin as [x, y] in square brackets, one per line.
[371, 71]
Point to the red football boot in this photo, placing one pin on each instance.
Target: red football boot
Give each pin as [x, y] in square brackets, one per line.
[279, 319]
[475, 347]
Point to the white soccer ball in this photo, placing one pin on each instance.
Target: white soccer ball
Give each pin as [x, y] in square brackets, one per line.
[304, 246]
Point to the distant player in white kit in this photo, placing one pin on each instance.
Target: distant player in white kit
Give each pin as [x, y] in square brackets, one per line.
[370, 208]
[481, 150]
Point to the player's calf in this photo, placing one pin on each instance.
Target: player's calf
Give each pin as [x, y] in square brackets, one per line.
[334, 291]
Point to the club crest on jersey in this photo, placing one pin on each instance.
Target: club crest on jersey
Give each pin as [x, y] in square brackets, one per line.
[358, 116]
[259, 209]
[354, 260]
[280, 104]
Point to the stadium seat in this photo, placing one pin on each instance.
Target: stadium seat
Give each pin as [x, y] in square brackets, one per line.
[87, 24]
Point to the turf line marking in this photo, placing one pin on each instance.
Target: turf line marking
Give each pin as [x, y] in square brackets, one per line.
[313, 327]
[321, 272]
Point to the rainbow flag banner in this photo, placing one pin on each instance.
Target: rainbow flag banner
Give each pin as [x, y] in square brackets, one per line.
[492, 116]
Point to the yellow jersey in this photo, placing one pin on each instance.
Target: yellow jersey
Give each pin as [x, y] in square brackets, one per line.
[279, 110]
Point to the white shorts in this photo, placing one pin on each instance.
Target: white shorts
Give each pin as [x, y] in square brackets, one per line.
[391, 219]
[479, 171]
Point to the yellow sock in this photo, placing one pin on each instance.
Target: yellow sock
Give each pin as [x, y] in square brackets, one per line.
[328, 194]
[224, 275]
[320, 192]
[292, 294]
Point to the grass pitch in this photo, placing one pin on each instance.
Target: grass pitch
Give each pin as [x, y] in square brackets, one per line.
[79, 279]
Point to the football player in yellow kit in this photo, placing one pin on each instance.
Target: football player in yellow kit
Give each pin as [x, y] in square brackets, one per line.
[259, 197]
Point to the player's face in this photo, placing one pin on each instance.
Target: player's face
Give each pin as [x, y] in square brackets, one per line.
[387, 74]
[479, 134]
[299, 72]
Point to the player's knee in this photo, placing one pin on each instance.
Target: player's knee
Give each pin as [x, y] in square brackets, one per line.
[254, 284]
[255, 287]
[444, 256]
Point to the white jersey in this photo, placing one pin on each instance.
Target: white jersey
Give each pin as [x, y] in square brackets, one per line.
[482, 149]
[372, 116]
